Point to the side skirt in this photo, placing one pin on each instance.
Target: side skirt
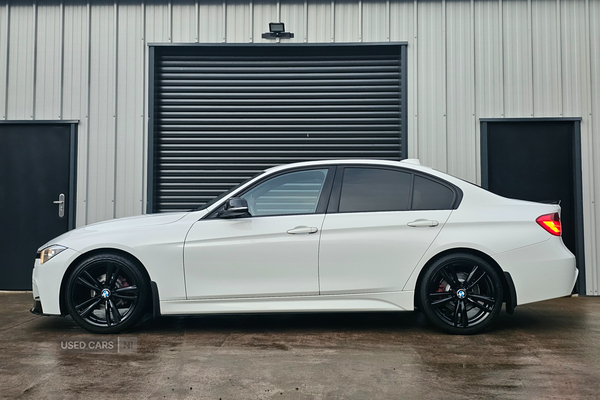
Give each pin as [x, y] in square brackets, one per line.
[388, 301]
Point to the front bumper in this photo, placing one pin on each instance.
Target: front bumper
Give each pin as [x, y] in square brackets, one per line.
[46, 281]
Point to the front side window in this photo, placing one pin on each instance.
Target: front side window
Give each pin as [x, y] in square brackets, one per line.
[373, 189]
[287, 194]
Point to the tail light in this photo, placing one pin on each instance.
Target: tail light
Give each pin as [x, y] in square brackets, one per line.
[551, 223]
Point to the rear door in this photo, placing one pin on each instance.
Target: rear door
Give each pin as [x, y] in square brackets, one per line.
[36, 169]
[380, 223]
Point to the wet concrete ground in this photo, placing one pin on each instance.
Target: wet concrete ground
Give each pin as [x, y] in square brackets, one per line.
[547, 350]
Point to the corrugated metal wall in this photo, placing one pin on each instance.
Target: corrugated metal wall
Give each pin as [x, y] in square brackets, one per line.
[466, 59]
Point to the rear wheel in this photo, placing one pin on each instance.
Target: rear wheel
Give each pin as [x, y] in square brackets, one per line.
[461, 293]
[106, 293]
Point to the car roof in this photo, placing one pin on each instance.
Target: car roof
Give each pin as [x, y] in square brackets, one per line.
[409, 162]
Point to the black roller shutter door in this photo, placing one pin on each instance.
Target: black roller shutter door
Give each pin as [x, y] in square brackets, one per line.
[224, 113]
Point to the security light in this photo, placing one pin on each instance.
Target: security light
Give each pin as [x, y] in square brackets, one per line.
[276, 27]
[277, 30]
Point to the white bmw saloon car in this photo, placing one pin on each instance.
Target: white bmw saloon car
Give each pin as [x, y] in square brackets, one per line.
[320, 236]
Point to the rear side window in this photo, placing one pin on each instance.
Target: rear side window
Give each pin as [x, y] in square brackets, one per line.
[372, 189]
[430, 195]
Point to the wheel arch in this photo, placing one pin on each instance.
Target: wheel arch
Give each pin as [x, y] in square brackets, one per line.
[508, 287]
[104, 250]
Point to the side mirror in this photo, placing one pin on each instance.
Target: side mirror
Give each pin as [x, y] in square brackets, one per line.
[234, 207]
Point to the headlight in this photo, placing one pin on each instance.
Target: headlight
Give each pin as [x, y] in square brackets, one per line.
[50, 252]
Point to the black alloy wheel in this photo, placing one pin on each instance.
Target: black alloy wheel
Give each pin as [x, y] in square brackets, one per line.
[106, 293]
[461, 294]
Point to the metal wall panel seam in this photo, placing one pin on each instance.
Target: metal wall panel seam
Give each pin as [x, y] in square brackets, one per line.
[224, 21]
[593, 102]
[115, 106]
[332, 20]
[501, 27]
[305, 21]
[197, 10]
[277, 40]
[590, 123]
[416, 78]
[388, 28]
[559, 55]
[87, 117]
[473, 58]
[144, 77]
[530, 52]
[360, 20]
[35, 49]
[445, 85]
[7, 35]
[251, 5]
[62, 60]
[170, 19]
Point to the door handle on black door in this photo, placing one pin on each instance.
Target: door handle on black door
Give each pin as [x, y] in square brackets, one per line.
[61, 205]
[300, 230]
[423, 223]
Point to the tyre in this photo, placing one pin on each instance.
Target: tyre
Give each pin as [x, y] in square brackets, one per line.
[461, 294]
[106, 293]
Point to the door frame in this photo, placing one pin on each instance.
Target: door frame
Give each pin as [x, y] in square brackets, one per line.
[577, 182]
[71, 204]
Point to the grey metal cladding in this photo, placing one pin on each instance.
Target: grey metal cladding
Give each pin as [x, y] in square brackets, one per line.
[224, 113]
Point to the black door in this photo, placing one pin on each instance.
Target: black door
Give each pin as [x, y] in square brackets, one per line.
[35, 170]
[537, 160]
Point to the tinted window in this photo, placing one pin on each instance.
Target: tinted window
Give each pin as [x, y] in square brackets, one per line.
[370, 189]
[430, 195]
[292, 193]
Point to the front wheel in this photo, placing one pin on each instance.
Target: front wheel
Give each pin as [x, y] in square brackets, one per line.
[461, 294]
[106, 293]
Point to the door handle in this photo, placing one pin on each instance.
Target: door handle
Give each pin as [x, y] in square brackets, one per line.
[423, 223]
[61, 205]
[302, 230]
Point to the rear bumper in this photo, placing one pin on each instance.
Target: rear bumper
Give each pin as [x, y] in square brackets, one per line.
[540, 272]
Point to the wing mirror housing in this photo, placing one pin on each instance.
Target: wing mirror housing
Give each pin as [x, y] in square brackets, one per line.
[234, 207]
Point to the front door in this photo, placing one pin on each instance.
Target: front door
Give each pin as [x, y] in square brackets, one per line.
[274, 251]
[35, 173]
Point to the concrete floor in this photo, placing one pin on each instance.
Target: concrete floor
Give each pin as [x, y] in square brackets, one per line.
[548, 350]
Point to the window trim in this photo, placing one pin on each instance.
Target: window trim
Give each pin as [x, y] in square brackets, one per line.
[336, 190]
[321, 204]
